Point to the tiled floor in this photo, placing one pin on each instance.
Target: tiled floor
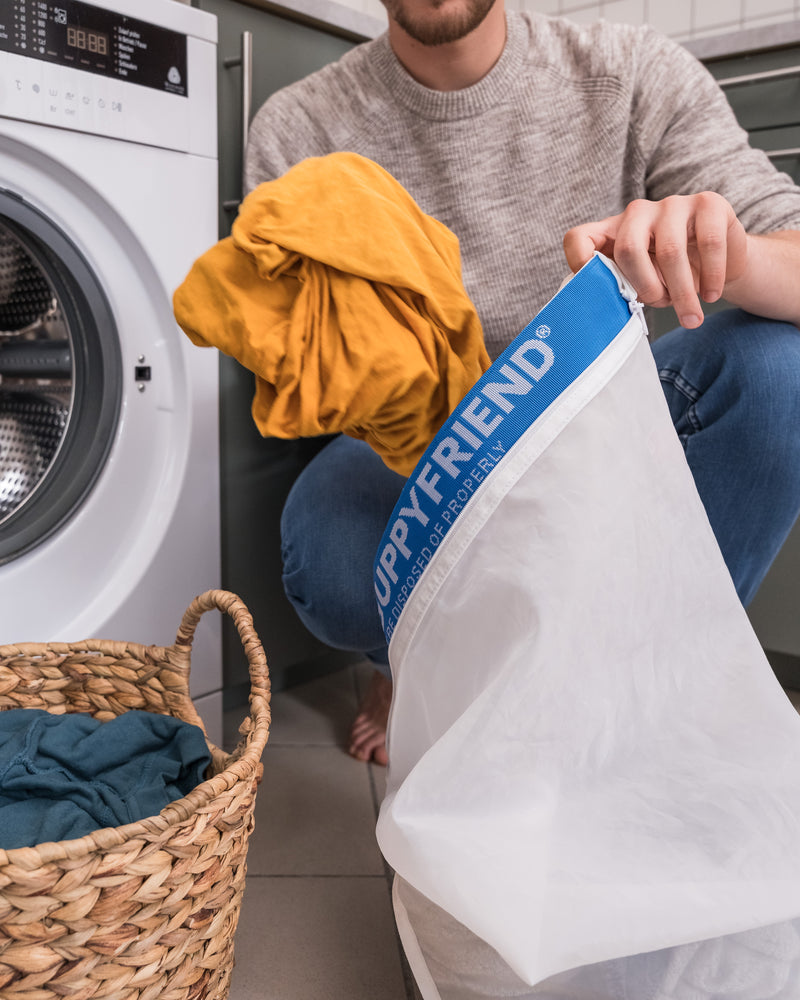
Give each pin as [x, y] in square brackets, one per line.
[317, 921]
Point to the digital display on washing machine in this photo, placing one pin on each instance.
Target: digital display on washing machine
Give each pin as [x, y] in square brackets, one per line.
[87, 40]
[83, 36]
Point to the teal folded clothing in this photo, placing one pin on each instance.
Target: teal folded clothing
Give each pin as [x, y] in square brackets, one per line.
[63, 776]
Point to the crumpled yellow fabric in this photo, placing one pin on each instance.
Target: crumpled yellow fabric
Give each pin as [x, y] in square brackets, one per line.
[346, 301]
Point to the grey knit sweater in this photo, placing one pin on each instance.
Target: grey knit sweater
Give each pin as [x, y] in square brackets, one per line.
[571, 124]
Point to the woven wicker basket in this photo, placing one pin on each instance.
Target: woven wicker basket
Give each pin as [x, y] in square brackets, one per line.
[145, 911]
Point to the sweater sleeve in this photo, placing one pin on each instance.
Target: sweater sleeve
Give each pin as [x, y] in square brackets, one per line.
[690, 141]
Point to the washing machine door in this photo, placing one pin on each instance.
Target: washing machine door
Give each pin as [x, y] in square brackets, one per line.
[60, 378]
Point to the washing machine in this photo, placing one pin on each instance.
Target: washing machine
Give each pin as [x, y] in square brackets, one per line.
[109, 464]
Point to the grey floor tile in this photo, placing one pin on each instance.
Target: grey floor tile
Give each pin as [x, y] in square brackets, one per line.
[317, 920]
[315, 815]
[317, 939]
[317, 713]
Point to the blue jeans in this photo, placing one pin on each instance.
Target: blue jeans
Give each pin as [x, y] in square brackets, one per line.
[733, 391]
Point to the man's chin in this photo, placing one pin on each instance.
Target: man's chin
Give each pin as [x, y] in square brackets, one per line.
[444, 25]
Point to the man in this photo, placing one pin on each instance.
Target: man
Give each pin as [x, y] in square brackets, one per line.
[515, 130]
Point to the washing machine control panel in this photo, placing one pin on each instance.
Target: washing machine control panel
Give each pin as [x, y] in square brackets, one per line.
[79, 66]
[95, 40]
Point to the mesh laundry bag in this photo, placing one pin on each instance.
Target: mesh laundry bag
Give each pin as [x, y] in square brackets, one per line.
[592, 766]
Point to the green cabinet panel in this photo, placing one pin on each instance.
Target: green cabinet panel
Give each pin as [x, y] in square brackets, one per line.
[283, 51]
[257, 473]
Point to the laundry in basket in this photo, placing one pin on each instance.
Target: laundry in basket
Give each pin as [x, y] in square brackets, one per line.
[63, 776]
[590, 757]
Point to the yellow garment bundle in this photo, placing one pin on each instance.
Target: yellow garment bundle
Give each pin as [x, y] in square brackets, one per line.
[346, 301]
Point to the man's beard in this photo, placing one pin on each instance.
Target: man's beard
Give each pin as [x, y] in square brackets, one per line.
[439, 32]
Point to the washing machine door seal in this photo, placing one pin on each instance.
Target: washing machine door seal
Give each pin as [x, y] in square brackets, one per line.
[60, 377]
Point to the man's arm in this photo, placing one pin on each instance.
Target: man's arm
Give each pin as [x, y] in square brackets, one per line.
[687, 247]
[770, 285]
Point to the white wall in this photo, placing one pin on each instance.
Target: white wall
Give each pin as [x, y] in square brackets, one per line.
[682, 19]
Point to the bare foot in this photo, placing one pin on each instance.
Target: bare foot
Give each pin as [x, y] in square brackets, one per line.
[368, 732]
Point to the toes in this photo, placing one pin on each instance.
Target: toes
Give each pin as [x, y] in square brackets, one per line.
[361, 724]
[369, 745]
[368, 741]
[368, 732]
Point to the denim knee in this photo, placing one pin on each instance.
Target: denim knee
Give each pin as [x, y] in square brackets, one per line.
[331, 525]
[731, 389]
[736, 362]
[338, 607]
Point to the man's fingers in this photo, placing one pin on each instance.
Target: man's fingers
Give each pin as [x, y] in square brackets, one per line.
[633, 252]
[652, 252]
[712, 221]
[581, 242]
[672, 251]
[672, 237]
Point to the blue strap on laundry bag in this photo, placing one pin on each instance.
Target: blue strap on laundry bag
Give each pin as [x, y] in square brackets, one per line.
[590, 757]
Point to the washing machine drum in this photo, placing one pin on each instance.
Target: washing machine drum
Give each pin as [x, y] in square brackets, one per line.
[60, 378]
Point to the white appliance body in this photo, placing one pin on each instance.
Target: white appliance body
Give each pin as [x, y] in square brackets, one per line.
[126, 173]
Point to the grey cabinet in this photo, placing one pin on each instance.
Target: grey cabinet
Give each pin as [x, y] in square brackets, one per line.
[763, 87]
[284, 50]
[257, 473]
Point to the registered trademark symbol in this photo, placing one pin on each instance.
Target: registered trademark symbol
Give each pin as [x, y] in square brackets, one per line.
[543, 331]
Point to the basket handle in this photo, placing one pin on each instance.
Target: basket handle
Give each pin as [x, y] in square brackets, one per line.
[232, 605]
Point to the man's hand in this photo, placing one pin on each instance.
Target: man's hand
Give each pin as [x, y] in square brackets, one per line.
[671, 251]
